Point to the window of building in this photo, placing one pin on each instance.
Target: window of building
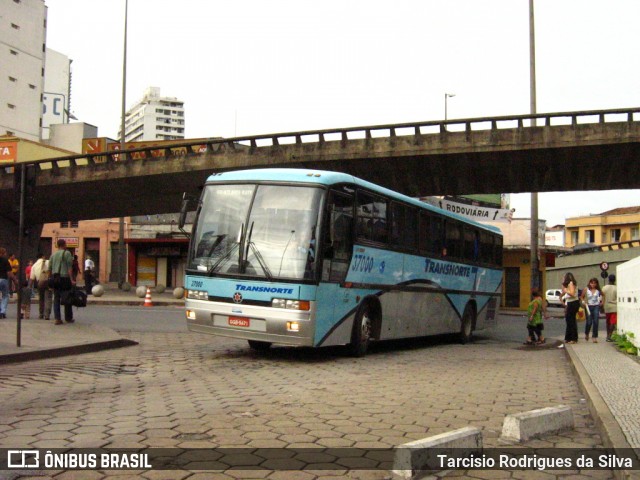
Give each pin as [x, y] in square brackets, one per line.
[13, 79]
[574, 237]
[15, 27]
[589, 236]
[615, 235]
[32, 87]
[635, 233]
[13, 52]
[11, 106]
[64, 224]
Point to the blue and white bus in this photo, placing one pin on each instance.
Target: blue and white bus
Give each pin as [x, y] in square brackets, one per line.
[317, 258]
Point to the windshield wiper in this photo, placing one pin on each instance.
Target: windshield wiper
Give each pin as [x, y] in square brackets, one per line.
[261, 261]
[256, 253]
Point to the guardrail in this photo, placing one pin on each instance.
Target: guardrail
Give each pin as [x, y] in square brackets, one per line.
[415, 129]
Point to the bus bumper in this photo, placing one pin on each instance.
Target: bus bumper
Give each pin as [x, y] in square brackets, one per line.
[263, 324]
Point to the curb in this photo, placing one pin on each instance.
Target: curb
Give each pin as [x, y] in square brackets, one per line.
[64, 351]
[135, 303]
[523, 426]
[612, 435]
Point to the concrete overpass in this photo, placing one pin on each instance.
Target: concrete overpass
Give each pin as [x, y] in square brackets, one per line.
[586, 150]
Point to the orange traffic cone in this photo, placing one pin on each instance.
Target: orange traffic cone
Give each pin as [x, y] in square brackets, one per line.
[147, 299]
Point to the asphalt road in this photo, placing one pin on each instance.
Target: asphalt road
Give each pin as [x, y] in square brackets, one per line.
[511, 327]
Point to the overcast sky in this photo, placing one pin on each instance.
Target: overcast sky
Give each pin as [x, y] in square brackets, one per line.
[253, 66]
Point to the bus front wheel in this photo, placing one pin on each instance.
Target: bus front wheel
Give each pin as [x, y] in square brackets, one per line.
[466, 327]
[259, 346]
[361, 334]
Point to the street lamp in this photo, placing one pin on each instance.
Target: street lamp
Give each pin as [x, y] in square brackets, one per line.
[446, 98]
[121, 259]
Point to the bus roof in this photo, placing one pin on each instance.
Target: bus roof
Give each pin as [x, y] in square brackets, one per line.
[324, 177]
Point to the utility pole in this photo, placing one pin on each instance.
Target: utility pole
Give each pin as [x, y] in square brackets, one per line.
[23, 187]
[123, 146]
[535, 280]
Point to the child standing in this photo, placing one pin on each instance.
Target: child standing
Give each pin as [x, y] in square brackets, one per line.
[535, 323]
[25, 305]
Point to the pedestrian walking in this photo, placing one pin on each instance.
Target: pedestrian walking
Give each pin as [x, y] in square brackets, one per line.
[6, 280]
[535, 323]
[15, 269]
[571, 305]
[89, 268]
[75, 268]
[61, 265]
[610, 305]
[40, 281]
[592, 296]
[27, 269]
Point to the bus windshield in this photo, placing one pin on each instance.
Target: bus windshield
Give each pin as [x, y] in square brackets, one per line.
[254, 230]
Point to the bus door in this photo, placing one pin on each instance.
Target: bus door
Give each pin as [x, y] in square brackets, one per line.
[338, 238]
[337, 247]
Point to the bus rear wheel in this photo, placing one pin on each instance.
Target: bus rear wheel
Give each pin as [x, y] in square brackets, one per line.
[466, 327]
[361, 334]
[259, 346]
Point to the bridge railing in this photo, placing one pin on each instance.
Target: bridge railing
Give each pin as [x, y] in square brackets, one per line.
[251, 143]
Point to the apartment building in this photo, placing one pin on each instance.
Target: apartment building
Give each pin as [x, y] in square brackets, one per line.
[154, 118]
[613, 226]
[23, 26]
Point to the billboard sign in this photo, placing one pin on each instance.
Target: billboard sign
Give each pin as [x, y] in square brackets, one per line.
[53, 109]
[473, 212]
[8, 152]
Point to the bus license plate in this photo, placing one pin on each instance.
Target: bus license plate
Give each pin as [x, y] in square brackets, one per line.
[239, 322]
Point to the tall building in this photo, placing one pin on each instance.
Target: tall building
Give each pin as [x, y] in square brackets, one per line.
[56, 97]
[154, 118]
[23, 27]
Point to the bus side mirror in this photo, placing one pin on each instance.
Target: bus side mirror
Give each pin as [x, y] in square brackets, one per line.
[186, 202]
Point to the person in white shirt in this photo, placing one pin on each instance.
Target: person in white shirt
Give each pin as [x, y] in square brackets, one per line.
[39, 278]
[89, 268]
[610, 303]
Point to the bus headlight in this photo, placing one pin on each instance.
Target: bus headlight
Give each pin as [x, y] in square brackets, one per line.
[291, 304]
[197, 295]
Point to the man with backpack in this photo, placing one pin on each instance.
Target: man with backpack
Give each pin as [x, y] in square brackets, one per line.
[61, 266]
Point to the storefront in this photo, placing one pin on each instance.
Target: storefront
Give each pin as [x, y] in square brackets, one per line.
[157, 261]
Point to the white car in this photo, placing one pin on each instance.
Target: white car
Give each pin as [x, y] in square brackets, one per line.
[554, 297]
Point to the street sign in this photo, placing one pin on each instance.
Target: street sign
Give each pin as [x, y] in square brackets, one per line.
[604, 266]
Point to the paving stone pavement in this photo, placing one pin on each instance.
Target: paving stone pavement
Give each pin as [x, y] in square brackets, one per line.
[194, 391]
[616, 376]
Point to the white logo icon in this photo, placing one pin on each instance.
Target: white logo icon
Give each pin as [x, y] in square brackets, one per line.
[23, 458]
